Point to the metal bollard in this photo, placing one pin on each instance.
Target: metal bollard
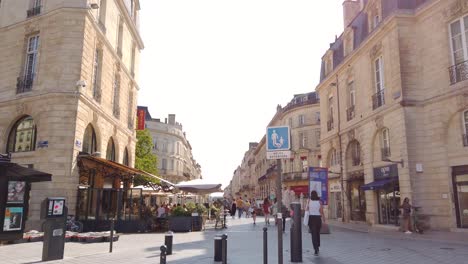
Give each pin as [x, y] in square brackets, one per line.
[265, 245]
[168, 242]
[296, 233]
[218, 248]
[224, 248]
[162, 259]
[112, 226]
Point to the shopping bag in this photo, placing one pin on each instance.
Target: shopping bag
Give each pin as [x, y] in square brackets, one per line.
[306, 218]
[325, 229]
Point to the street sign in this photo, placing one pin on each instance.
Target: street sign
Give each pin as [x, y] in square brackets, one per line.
[318, 181]
[280, 154]
[278, 138]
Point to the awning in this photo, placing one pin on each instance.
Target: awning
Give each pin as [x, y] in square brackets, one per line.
[199, 186]
[375, 185]
[17, 172]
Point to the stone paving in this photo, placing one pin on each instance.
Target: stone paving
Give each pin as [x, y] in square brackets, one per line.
[245, 246]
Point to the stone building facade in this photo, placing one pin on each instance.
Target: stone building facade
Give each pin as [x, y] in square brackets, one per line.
[170, 144]
[68, 84]
[394, 117]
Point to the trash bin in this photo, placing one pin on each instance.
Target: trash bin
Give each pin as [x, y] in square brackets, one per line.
[218, 248]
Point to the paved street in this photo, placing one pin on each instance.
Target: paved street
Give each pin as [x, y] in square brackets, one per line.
[245, 246]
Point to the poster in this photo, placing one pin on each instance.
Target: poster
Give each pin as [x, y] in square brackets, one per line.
[318, 181]
[16, 191]
[13, 218]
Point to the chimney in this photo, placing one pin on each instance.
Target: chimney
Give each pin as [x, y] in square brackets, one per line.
[350, 9]
[171, 119]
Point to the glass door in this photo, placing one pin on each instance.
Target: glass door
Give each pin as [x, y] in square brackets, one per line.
[388, 203]
[462, 195]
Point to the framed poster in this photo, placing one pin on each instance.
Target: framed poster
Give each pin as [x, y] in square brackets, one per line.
[16, 190]
[318, 181]
[13, 219]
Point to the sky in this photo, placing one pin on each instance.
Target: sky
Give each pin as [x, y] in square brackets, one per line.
[223, 66]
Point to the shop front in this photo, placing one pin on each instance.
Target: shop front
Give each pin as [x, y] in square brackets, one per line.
[460, 189]
[335, 207]
[357, 199]
[387, 190]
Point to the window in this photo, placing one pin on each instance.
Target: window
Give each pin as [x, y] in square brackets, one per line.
[110, 152]
[155, 144]
[102, 14]
[355, 153]
[130, 115]
[330, 113]
[24, 125]
[164, 147]
[334, 158]
[301, 120]
[125, 160]
[458, 35]
[35, 8]
[378, 99]
[132, 65]
[302, 140]
[317, 117]
[25, 83]
[120, 38]
[465, 128]
[164, 164]
[89, 140]
[290, 122]
[350, 112]
[116, 96]
[97, 75]
[385, 143]
[171, 165]
[317, 138]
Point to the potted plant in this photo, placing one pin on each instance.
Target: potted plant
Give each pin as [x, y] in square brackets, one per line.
[180, 220]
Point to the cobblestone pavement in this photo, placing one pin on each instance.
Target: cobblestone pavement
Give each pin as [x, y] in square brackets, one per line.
[245, 246]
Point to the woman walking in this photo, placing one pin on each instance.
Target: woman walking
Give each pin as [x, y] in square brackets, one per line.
[266, 210]
[406, 208]
[233, 209]
[253, 210]
[315, 210]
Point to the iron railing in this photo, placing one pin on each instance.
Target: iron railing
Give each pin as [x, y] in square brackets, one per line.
[378, 99]
[465, 140]
[350, 113]
[458, 72]
[385, 153]
[329, 124]
[33, 11]
[24, 84]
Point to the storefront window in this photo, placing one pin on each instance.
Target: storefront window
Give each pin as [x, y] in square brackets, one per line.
[461, 182]
[16, 142]
[358, 200]
[388, 203]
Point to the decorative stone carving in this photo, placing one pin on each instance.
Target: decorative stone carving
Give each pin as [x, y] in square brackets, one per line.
[31, 28]
[375, 50]
[379, 122]
[455, 10]
[20, 109]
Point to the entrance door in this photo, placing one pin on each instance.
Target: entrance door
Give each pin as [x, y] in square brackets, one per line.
[388, 202]
[335, 205]
[461, 182]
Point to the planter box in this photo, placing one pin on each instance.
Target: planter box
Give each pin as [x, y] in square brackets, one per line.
[180, 223]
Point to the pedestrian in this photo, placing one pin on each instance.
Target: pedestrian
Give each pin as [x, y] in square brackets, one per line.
[247, 208]
[406, 208]
[285, 213]
[253, 211]
[266, 210]
[233, 209]
[240, 206]
[274, 210]
[316, 216]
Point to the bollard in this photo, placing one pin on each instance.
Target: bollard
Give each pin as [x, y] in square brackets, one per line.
[224, 246]
[112, 226]
[168, 242]
[296, 233]
[218, 248]
[265, 246]
[162, 259]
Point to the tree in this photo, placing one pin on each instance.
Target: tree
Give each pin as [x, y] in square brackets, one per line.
[145, 159]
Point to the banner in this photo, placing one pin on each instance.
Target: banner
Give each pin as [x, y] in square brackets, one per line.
[318, 181]
[141, 115]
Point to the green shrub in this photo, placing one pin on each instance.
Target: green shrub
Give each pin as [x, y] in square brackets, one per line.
[180, 211]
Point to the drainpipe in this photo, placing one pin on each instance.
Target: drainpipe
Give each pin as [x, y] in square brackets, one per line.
[341, 151]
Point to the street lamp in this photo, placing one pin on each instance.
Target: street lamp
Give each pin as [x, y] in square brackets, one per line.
[402, 162]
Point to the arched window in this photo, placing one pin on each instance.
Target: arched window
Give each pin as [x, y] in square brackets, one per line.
[385, 143]
[125, 158]
[89, 140]
[110, 152]
[16, 140]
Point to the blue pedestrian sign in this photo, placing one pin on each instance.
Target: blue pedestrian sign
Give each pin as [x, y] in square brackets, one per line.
[278, 138]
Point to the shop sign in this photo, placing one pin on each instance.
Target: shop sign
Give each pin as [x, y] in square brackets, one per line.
[335, 187]
[385, 172]
[318, 181]
[141, 115]
[300, 189]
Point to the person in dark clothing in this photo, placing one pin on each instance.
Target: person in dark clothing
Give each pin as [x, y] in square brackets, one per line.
[233, 208]
[316, 216]
[284, 214]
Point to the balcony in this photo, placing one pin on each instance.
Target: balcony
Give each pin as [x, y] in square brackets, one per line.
[33, 11]
[458, 72]
[385, 153]
[465, 140]
[378, 99]
[350, 113]
[329, 124]
[24, 84]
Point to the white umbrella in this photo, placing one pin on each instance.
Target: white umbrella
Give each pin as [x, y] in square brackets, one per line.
[199, 186]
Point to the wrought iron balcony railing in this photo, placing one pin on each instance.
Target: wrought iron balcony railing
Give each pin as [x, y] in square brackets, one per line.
[465, 140]
[458, 72]
[350, 113]
[33, 11]
[378, 99]
[329, 124]
[385, 153]
[24, 84]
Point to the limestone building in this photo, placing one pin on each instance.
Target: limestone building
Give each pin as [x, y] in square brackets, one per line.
[68, 84]
[171, 146]
[394, 108]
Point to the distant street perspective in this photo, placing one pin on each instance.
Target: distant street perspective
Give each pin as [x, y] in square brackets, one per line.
[247, 131]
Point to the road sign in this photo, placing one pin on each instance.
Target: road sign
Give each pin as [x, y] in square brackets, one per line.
[280, 154]
[278, 138]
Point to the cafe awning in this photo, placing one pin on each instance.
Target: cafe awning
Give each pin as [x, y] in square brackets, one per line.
[381, 184]
[19, 173]
[199, 186]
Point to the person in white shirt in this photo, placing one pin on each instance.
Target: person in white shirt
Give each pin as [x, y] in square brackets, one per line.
[161, 211]
[316, 216]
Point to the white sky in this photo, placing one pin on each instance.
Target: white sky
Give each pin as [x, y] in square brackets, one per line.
[223, 66]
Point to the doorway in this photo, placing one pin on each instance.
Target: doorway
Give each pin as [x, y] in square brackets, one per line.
[388, 202]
